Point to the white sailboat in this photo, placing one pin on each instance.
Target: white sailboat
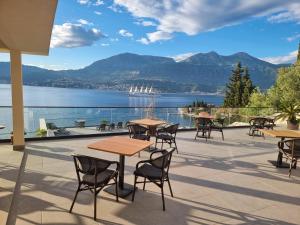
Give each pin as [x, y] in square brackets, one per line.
[141, 92]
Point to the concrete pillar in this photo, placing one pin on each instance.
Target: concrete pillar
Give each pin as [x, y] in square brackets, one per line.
[17, 100]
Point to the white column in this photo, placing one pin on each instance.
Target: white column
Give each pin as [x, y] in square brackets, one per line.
[17, 100]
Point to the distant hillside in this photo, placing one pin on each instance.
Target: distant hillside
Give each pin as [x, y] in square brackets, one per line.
[206, 72]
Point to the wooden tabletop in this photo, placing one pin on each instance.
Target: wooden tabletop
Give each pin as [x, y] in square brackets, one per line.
[282, 133]
[120, 145]
[148, 122]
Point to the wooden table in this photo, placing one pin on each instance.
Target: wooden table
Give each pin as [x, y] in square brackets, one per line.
[150, 123]
[282, 134]
[123, 146]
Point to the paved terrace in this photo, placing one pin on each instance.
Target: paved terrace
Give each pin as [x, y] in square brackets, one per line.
[214, 182]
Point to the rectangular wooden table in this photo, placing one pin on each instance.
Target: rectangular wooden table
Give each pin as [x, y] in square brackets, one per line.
[123, 146]
[282, 134]
[150, 123]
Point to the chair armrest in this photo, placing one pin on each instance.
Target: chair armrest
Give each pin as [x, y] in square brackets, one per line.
[142, 162]
[160, 151]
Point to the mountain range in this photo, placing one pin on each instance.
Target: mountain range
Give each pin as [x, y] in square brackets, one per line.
[206, 72]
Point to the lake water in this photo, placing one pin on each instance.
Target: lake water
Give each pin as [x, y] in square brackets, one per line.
[41, 97]
[49, 96]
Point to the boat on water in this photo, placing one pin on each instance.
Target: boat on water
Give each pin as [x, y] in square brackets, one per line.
[141, 92]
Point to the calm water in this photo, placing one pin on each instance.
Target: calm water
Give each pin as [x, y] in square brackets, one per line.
[65, 117]
[48, 96]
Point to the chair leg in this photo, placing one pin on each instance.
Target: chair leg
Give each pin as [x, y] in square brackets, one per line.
[290, 170]
[155, 142]
[222, 135]
[117, 188]
[95, 203]
[74, 199]
[176, 146]
[162, 144]
[144, 184]
[163, 196]
[134, 187]
[170, 187]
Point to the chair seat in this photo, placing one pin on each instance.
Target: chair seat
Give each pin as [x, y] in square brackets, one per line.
[165, 137]
[148, 171]
[102, 178]
[141, 137]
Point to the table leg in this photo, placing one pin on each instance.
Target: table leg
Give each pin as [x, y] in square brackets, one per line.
[124, 189]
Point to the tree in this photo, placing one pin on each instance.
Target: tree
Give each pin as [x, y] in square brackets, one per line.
[234, 89]
[298, 57]
[247, 87]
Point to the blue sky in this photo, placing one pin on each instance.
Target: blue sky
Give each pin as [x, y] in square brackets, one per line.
[89, 30]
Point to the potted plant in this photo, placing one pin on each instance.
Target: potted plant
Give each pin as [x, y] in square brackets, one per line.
[290, 112]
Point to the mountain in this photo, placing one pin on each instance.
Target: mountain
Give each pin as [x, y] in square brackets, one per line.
[206, 72]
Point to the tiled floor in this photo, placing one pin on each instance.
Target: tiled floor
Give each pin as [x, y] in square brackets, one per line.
[214, 182]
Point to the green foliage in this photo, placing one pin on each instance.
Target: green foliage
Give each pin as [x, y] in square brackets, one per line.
[239, 88]
[289, 112]
[286, 90]
[198, 103]
[41, 132]
[104, 122]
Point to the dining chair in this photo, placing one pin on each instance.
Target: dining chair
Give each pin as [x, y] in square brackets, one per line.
[167, 135]
[94, 174]
[290, 149]
[155, 170]
[203, 126]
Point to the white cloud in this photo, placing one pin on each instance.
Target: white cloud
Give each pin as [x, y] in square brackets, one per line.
[158, 35]
[144, 41]
[155, 36]
[115, 8]
[105, 44]
[293, 38]
[114, 39]
[83, 2]
[125, 33]
[98, 13]
[98, 2]
[70, 35]
[290, 58]
[195, 16]
[183, 56]
[146, 23]
[85, 22]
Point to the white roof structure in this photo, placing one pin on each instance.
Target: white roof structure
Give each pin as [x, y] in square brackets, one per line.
[26, 25]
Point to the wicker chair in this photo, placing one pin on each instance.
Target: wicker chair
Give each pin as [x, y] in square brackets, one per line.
[290, 149]
[119, 125]
[167, 135]
[269, 124]
[138, 132]
[101, 127]
[155, 170]
[203, 126]
[216, 125]
[256, 124]
[94, 174]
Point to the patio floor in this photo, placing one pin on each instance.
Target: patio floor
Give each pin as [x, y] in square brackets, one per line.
[214, 182]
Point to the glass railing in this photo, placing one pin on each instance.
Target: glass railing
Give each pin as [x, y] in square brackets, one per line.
[72, 121]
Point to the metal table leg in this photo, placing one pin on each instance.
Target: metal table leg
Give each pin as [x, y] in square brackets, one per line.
[124, 189]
